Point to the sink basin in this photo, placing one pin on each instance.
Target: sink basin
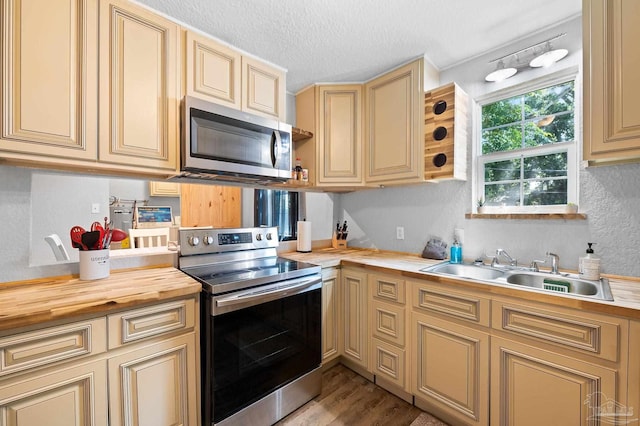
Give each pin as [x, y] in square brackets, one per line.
[478, 272]
[562, 284]
[559, 284]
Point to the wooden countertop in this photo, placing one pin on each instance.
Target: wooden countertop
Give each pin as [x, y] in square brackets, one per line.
[24, 303]
[625, 290]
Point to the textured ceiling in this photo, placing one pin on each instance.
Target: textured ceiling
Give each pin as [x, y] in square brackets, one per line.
[340, 41]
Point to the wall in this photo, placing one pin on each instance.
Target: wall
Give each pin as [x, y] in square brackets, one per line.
[608, 195]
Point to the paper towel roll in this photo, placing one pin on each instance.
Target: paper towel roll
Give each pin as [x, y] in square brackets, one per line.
[304, 236]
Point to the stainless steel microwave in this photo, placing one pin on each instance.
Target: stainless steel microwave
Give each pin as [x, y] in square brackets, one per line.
[224, 144]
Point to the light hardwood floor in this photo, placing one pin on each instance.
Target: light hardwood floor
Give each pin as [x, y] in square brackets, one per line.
[349, 399]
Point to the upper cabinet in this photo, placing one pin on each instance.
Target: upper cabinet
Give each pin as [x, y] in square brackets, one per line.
[213, 71]
[220, 74]
[393, 133]
[139, 90]
[49, 78]
[334, 154]
[263, 89]
[611, 29]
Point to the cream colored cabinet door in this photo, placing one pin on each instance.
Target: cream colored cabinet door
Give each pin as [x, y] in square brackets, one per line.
[213, 71]
[339, 135]
[611, 30]
[530, 386]
[139, 87]
[330, 314]
[74, 396]
[354, 299]
[155, 385]
[633, 396]
[164, 189]
[49, 78]
[394, 122]
[263, 89]
[450, 368]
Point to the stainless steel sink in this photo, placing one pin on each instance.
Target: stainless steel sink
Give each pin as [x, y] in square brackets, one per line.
[562, 284]
[464, 270]
[546, 282]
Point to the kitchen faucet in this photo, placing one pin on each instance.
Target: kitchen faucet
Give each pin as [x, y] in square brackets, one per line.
[512, 261]
[555, 259]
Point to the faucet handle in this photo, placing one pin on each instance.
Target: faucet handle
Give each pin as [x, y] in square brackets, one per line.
[534, 265]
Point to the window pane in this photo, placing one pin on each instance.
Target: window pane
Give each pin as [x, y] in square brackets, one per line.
[502, 194]
[502, 170]
[502, 139]
[544, 193]
[543, 166]
[548, 101]
[502, 112]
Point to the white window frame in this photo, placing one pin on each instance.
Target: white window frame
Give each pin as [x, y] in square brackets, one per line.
[571, 147]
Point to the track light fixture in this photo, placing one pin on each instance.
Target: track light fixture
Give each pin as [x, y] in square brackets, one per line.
[537, 55]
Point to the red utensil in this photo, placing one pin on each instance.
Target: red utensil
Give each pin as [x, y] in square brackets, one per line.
[76, 237]
[118, 234]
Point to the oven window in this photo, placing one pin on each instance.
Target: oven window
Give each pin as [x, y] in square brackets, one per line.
[258, 349]
[277, 208]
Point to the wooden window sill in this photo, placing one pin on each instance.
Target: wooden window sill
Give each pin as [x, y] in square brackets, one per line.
[527, 216]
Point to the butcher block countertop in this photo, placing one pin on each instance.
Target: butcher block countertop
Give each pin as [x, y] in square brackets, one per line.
[625, 290]
[24, 303]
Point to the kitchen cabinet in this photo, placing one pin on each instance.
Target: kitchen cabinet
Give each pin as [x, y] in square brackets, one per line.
[333, 154]
[530, 386]
[387, 322]
[611, 59]
[213, 71]
[331, 314]
[450, 352]
[355, 317]
[139, 88]
[164, 189]
[210, 205]
[263, 89]
[49, 91]
[394, 114]
[74, 396]
[633, 400]
[135, 366]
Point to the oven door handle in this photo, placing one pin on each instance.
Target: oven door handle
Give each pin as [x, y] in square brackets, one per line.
[265, 295]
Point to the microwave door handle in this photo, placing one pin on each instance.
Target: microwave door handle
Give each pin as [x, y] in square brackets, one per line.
[276, 144]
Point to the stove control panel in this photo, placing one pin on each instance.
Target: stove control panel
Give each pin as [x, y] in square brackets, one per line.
[207, 240]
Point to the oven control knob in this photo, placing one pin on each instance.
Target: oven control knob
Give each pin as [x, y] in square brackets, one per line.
[269, 236]
[208, 240]
[194, 240]
[259, 237]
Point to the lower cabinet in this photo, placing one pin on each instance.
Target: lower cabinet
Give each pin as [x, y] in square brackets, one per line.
[355, 329]
[330, 314]
[140, 370]
[150, 386]
[74, 396]
[530, 386]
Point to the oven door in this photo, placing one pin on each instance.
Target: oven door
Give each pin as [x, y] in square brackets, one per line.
[262, 343]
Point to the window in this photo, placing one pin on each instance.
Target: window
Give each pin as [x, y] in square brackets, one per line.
[279, 208]
[527, 151]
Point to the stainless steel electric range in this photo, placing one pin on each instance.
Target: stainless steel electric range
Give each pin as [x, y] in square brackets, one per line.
[260, 325]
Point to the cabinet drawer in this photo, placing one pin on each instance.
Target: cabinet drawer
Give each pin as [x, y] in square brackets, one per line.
[388, 362]
[387, 322]
[46, 346]
[387, 287]
[439, 299]
[591, 333]
[137, 324]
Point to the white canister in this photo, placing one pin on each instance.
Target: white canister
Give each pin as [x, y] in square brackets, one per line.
[94, 264]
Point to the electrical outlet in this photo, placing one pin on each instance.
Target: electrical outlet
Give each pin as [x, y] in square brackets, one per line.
[459, 233]
[399, 233]
[95, 208]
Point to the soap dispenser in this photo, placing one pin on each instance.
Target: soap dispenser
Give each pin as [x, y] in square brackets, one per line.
[456, 251]
[589, 265]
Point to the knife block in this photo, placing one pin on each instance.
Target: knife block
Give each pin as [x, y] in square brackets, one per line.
[336, 243]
